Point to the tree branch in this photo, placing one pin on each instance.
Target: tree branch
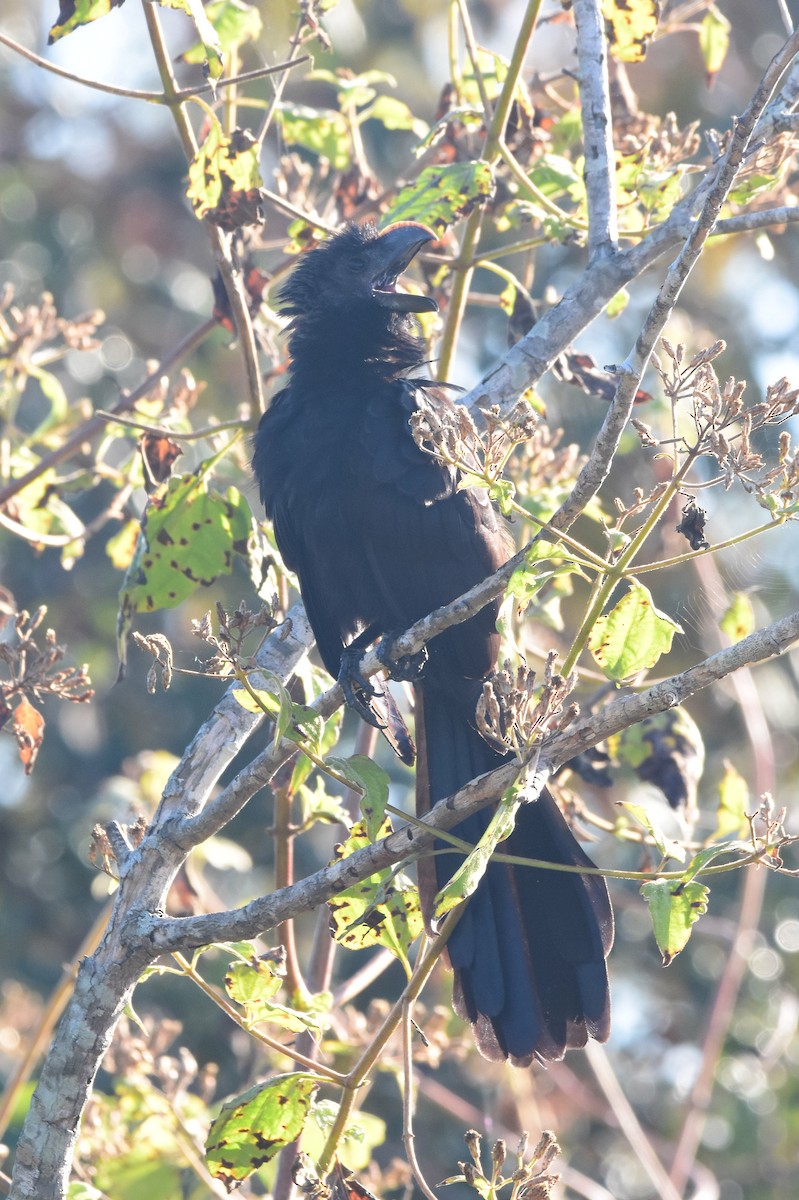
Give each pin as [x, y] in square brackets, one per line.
[184, 933]
[599, 171]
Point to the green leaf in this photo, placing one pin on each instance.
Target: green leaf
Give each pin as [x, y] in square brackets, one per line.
[395, 114]
[555, 177]
[618, 303]
[674, 908]
[372, 781]
[188, 538]
[493, 69]
[362, 1134]
[629, 26]
[714, 41]
[254, 984]
[317, 804]
[225, 182]
[667, 847]
[739, 619]
[733, 802]
[382, 910]
[252, 1128]
[322, 131]
[235, 23]
[74, 13]
[207, 34]
[468, 875]
[633, 636]
[83, 1191]
[442, 195]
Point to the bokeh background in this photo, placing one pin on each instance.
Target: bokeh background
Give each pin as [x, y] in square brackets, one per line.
[93, 210]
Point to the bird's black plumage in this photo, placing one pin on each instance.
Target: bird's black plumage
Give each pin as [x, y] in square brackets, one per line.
[379, 535]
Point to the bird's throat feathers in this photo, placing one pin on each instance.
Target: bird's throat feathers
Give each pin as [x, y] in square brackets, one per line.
[370, 344]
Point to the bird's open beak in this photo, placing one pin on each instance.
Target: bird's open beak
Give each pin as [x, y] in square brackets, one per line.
[393, 250]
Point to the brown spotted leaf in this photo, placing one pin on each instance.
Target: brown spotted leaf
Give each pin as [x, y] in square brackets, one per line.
[225, 182]
[630, 25]
[255, 1126]
[188, 538]
[382, 910]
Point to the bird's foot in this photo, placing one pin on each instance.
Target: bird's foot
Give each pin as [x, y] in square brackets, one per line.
[358, 691]
[405, 669]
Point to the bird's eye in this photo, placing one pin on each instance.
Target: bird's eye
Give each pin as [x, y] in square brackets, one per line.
[357, 264]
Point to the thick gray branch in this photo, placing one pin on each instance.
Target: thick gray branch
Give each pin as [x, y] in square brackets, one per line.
[600, 170]
[182, 933]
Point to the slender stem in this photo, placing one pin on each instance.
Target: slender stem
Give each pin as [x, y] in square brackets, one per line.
[629, 1123]
[230, 1011]
[135, 93]
[463, 268]
[371, 1054]
[524, 181]
[220, 242]
[283, 836]
[618, 571]
[97, 424]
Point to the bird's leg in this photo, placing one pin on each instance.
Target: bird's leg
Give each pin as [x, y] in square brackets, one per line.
[405, 669]
[358, 691]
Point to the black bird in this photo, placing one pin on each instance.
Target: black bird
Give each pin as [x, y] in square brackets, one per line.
[379, 535]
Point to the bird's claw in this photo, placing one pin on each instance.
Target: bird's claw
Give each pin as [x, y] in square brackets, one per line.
[358, 691]
[405, 669]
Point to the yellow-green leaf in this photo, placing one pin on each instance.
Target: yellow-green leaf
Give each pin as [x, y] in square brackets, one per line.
[252, 1128]
[372, 781]
[617, 303]
[225, 182]
[468, 875]
[714, 41]
[739, 619]
[633, 636]
[674, 908]
[207, 34]
[322, 131]
[733, 802]
[629, 26]
[382, 910]
[74, 13]
[235, 23]
[188, 538]
[254, 985]
[442, 195]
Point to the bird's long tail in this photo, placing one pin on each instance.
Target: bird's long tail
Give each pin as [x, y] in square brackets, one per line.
[529, 951]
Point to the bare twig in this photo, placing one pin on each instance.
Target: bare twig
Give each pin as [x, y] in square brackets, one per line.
[136, 93]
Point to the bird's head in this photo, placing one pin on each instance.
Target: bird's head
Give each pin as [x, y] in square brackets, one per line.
[356, 272]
